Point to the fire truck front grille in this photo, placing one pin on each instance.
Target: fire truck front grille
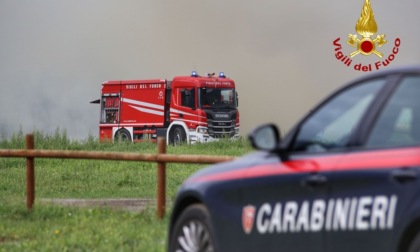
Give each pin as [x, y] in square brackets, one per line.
[221, 129]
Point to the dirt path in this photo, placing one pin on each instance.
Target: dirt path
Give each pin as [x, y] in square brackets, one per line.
[117, 204]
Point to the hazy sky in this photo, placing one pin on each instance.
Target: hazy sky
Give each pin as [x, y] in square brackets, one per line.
[54, 55]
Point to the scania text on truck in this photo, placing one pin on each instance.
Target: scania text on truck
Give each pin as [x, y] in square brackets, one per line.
[187, 109]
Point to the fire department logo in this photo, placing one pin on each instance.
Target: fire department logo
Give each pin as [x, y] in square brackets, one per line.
[248, 216]
[365, 43]
[366, 27]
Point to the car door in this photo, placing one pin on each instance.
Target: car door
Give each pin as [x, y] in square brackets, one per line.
[290, 198]
[281, 196]
[374, 185]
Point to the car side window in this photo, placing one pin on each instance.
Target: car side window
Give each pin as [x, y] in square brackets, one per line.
[399, 122]
[331, 125]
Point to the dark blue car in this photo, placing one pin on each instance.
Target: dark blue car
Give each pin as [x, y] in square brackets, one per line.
[345, 178]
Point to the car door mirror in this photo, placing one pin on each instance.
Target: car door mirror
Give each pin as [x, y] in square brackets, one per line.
[265, 137]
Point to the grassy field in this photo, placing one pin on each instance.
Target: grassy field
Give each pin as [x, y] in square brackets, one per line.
[57, 228]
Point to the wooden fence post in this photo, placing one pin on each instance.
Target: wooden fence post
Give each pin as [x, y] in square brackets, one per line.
[161, 180]
[30, 173]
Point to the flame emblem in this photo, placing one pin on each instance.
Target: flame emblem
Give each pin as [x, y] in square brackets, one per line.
[366, 26]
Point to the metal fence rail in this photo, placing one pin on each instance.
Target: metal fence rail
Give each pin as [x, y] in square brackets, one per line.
[161, 158]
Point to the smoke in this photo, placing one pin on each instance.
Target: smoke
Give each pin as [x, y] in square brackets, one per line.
[54, 55]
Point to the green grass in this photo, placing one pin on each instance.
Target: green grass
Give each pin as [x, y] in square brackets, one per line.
[50, 228]
[58, 228]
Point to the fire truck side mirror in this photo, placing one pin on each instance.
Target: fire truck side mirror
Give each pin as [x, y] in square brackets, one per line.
[237, 99]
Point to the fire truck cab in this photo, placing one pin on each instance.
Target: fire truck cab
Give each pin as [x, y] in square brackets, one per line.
[187, 109]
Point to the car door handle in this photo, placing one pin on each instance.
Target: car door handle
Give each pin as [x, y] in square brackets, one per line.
[404, 175]
[314, 180]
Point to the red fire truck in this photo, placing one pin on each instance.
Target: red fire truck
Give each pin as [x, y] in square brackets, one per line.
[187, 109]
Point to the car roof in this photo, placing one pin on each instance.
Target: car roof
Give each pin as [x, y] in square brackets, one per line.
[412, 69]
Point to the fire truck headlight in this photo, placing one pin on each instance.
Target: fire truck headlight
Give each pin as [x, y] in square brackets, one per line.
[202, 130]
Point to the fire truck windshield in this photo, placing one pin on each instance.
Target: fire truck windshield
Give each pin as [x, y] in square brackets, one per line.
[217, 98]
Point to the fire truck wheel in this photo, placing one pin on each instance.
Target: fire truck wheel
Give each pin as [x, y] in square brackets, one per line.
[192, 231]
[178, 136]
[122, 135]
